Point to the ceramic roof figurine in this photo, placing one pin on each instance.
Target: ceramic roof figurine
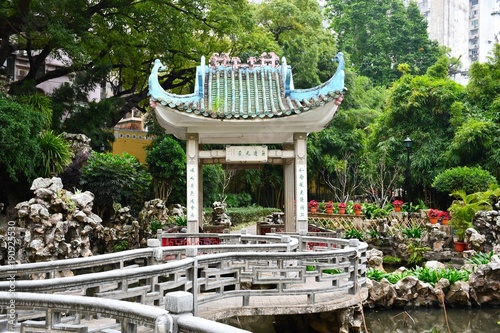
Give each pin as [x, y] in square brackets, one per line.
[247, 99]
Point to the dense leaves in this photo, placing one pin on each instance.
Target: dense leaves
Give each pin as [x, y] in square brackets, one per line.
[116, 179]
[380, 35]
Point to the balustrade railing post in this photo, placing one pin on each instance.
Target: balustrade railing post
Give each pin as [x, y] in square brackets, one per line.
[179, 303]
[192, 252]
[302, 247]
[354, 243]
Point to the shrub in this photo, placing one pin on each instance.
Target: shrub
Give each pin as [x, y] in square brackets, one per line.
[56, 154]
[413, 232]
[116, 179]
[468, 179]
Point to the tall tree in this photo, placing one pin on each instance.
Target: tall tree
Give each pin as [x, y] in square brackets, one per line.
[421, 107]
[380, 35]
[297, 27]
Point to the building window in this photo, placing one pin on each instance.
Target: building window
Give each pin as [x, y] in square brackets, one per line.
[474, 23]
[473, 2]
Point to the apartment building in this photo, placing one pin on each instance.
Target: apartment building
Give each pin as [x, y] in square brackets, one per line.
[469, 28]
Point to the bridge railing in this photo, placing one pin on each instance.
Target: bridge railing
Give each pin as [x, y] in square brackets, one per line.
[285, 265]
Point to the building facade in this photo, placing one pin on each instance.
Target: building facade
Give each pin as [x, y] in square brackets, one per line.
[470, 28]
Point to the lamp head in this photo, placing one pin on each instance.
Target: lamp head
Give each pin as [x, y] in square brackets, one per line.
[408, 143]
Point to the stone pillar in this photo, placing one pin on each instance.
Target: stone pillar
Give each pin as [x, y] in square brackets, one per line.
[300, 143]
[289, 191]
[192, 174]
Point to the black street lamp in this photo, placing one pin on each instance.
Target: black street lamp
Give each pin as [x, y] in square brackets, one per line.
[408, 144]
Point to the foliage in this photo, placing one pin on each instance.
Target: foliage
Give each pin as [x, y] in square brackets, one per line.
[180, 221]
[166, 161]
[55, 154]
[469, 179]
[19, 129]
[432, 276]
[391, 260]
[480, 258]
[417, 251]
[380, 35]
[428, 275]
[120, 246]
[238, 200]
[419, 107]
[297, 27]
[465, 206]
[414, 231]
[115, 179]
[373, 211]
[352, 233]
[154, 225]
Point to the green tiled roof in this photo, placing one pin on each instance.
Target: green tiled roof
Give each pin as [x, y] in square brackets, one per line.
[227, 89]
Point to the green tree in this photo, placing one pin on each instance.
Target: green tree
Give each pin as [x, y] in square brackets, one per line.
[297, 28]
[19, 128]
[470, 180]
[166, 161]
[421, 107]
[115, 179]
[380, 35]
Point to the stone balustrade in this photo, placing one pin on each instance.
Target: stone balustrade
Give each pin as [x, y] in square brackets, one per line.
[286, 265]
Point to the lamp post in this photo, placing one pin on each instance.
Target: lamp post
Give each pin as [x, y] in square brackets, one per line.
[408, 144]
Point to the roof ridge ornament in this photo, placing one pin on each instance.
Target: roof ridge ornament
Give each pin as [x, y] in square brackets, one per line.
[223, 60]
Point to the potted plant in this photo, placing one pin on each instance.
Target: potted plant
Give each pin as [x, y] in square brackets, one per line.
[357, 208]
[433, 215]
[397, 204]
[463, 209]
[444, 216]
[342, 207]
[313, 206]
[329, 207]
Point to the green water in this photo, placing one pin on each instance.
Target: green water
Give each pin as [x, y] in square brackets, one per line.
[477, 320]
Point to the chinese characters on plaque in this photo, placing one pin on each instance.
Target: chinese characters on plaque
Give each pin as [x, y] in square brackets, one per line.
[246, 154]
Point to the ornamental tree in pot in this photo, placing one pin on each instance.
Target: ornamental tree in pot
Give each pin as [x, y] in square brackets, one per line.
[465, 206]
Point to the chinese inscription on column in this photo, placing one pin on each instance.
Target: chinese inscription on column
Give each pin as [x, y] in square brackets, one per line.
[301, 192]
[192, 195]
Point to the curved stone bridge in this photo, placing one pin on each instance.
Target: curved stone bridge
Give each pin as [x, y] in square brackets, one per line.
[242, 275]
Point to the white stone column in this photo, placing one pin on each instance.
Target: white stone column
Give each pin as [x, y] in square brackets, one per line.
[300, 143]
[192, 174]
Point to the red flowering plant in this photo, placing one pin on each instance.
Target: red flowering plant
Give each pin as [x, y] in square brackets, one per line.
[342, 205]
[433, 213]
[329, 205]
[357, 206]
[313, 204]
[443, 215]
[397, 203]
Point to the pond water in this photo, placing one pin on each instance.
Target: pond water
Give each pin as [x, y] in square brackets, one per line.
[484, 320]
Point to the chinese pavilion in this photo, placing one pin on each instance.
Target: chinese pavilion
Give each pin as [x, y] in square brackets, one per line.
[245, 107]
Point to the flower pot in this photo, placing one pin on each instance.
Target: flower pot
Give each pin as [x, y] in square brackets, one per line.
[460, 246]
[357, 212]
[433, 220]
[312, 210]
[397, 208]
[444, 222]
[329, 211]
[341, 210]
